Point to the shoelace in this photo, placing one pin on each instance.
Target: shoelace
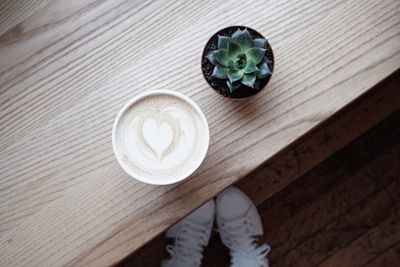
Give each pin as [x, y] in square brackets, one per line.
[243, 245]
[189, 244]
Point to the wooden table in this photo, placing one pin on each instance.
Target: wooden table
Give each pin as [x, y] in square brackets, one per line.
[67, 67]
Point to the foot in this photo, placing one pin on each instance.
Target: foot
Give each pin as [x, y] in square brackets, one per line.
[190, 236]
[240, 227]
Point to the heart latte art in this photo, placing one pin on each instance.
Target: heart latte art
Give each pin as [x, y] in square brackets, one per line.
[160, 137]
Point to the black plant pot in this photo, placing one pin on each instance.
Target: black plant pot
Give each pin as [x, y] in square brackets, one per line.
[220, 85]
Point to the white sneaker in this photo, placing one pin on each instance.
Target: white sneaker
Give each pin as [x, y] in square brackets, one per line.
[190, 237]
[239, 225]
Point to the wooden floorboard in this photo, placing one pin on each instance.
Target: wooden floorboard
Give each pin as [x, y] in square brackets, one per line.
[324, 241]
[369, 245]
[337, 202]
[311, 220]
[388, 258]
[318, 145]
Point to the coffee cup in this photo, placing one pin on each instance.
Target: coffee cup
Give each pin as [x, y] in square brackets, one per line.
[160, 137]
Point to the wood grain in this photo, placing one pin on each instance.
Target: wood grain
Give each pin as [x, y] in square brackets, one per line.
[328, 215]
[293, 162]
[64, 76]
[365, 248]
[332, 135]
[329, 222]
[390, 257]
[12, 12]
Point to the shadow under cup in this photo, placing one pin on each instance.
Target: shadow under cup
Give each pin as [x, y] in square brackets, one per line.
[160, 137]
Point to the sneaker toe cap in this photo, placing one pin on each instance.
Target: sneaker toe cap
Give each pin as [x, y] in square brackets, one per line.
[232, 204]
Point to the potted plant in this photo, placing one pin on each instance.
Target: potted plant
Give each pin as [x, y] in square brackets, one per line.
[237, 62]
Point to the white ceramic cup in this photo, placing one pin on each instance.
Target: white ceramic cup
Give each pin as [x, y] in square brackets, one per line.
[195, 163]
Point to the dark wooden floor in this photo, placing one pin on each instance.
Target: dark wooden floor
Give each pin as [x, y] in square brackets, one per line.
[344, 211]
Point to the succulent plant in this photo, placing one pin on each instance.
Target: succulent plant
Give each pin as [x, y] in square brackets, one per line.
[240, 60]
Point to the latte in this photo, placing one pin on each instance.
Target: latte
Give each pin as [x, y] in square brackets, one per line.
[160, 137]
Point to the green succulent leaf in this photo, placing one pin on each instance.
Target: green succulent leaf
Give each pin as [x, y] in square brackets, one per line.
[255, 54]
[212, 58]
[243, 38]
[232, 65]
[223, 41]
[248, 80]
[220, 72]
[233, 49]
[259, 42]
[222, 57]
[263, 71]
[232, 86]
[250, 67]
[235, 75]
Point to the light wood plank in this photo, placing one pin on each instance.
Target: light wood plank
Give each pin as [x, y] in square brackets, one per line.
[307, 152]
[293, 162]
[326, 209]
[346, 192]
[12, 12]
[58, 102]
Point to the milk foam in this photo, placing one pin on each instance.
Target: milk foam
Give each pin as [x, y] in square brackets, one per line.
[161, 137]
